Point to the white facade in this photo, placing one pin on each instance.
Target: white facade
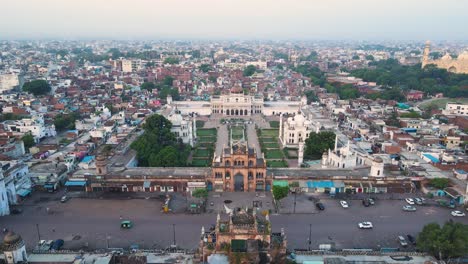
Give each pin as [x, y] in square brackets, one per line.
[8, 81]
[183, 127]
[126, 65]
[34, 125]
[377, 168]
[456, 109]
[237, 104]
[4, 205]
[295, 130]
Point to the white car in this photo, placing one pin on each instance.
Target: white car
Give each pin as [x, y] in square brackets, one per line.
[344, 204]
[409, 201]
[365, 225]
[458, 213]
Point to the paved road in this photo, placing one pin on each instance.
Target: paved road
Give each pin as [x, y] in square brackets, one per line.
[253, 139]
[222, 139]
[94, 220]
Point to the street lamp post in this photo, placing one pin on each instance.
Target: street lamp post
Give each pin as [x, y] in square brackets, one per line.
[38, 233]
[310, 235]
[173, 232]
[294, 210]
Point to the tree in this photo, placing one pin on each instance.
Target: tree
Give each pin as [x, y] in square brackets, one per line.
[317, 143]
[249, 70]
[205, 68]
[171, 60]
[369, 57]
[439, 183]
[355, 57]
[169, 91]
[200, 193]
[410, 114]
[37, 87]
[158, 146]
[168, 80]
[148, 86]
[28, 140]
[279, 192]
[448, 241]
[65, 122]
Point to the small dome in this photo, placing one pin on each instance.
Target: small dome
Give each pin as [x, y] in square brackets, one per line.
[11, 238]
[378, 160]
[463, 56]
[446, 57]
[237, 90]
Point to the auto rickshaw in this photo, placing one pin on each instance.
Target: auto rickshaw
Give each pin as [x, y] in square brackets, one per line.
[126, 224]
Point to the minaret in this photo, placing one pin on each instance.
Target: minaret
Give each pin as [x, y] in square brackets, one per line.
[14, 248]
[300, 156]
[425, 58]
[377, 168]
[280, 133]
[4, 205]
[194, 136]
[336, 142]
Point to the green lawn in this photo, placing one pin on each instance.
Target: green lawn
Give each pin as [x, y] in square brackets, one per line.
[274, 154]
[202, 153]
[269, 133]
[200, 162]
[271, 145]
[207, 139]
[277, 164]
[206, 132]
[274, 124]
[268, 139]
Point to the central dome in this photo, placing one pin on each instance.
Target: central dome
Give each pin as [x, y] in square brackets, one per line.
[237, 90]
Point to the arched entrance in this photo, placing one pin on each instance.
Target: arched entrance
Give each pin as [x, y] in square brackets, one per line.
[239, 182]
[452, 69]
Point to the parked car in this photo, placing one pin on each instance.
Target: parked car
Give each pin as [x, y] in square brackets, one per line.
[409, 208]
[410, 201]
[16, 211]
[366, 202]
[58, 244]
[418, 201]
[365, 225]
[64, 199]
[344, 204]
[320, 206]
[411, 239]
[371, 201]
[457, 213]
[402, 241]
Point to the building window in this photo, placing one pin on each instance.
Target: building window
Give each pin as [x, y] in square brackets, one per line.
[378, 173]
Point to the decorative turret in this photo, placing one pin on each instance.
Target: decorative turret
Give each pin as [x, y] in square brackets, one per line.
[4, 206]
[425, 58]
[14, 248]
[101, 165]
[300, 156]
[377, 167]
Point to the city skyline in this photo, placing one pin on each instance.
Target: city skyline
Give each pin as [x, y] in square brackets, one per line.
[207, 19]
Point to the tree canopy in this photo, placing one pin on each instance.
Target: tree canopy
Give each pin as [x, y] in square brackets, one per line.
[158, 146]
[448, 241]
[439, 183]
[430, 80]
[28, 140]
[249, 70]
[171, 60]
[65, 121]
[200, 193]
[280, 192]
[317, 143]
[37, 87]
[148, 86]
[205, 68]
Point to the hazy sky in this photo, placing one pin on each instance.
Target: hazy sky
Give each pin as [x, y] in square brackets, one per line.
[250, 19]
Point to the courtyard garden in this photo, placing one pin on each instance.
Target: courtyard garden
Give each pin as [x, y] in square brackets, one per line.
[274, 156]
[202, 154]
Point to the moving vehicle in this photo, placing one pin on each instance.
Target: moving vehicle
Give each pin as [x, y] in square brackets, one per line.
[320, 206]
[64, 199]
[402, 241]
[126, 224]
[371, 201]
[344, 204]
[411, 239]
[57, 245]
[366, 202]
[410, 201]
[457, 213]
[409, 208]
[365, 225]
[16, 211]
[418, 201]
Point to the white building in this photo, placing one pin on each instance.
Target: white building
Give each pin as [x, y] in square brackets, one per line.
[456, 109]
[4, 205]
[236, 103]
[34, 125]
[295, 130]
[126, 65]
[183, 127]
[8, 81]
[344, 157]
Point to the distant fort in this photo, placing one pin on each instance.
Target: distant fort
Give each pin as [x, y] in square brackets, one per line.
[458, 65]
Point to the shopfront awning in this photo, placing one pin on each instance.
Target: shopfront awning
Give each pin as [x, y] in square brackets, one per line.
[75, 183]
[146, 184]
[23, 192]
[281, 183]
